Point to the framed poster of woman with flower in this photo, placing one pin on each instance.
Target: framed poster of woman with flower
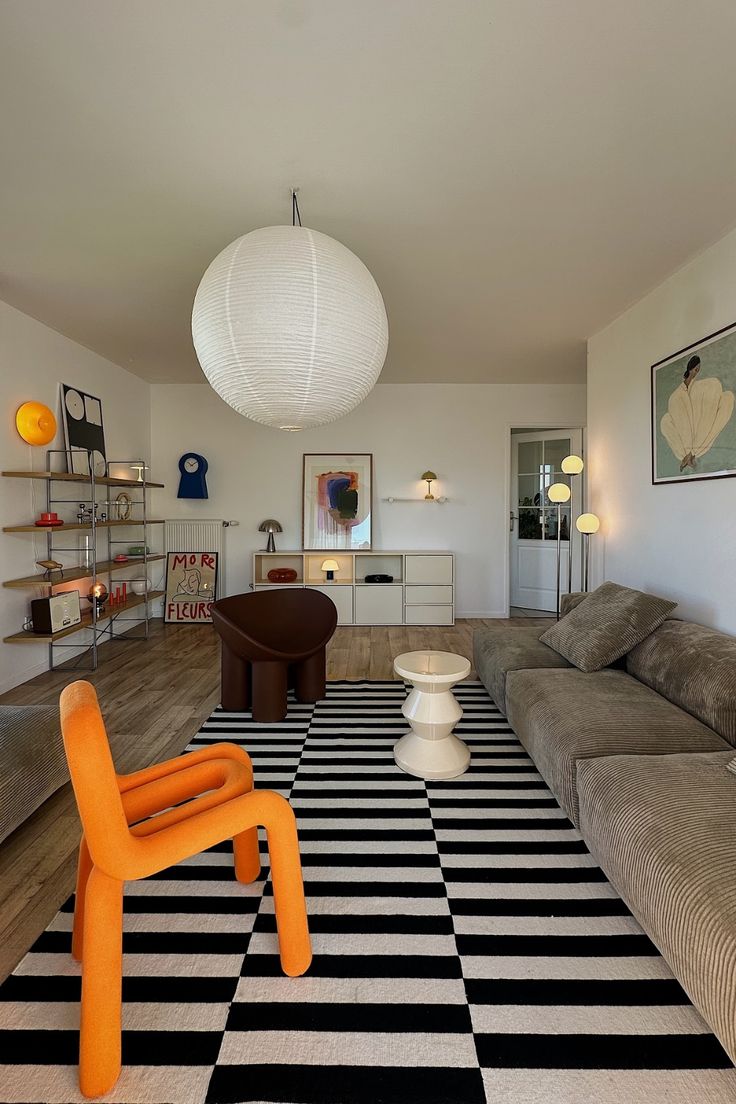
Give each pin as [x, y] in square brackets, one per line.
[693, 420]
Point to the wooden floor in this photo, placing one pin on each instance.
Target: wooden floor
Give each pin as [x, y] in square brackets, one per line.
[155, 695]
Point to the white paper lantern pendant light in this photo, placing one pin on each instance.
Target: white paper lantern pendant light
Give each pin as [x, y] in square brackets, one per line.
[289, 326]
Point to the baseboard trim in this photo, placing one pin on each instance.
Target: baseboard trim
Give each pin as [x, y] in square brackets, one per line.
[494, 615]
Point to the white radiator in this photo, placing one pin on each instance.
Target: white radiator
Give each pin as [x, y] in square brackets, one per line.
[198, 536]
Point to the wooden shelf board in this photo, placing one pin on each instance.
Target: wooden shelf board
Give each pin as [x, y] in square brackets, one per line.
[74, 477]
[68, 526]
[72, 573]
[86, 622]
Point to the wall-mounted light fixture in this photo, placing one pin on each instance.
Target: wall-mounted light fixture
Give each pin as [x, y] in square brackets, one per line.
[429, 477]
[330, 567]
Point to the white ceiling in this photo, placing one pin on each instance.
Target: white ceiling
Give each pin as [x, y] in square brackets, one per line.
[513, 172]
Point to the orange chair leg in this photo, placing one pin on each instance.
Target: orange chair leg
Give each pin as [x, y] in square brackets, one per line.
[288, 891]
[102, 967]
[84, 867]
[247, 855]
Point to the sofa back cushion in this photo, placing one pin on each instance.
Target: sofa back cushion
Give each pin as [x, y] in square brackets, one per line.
[694, 667]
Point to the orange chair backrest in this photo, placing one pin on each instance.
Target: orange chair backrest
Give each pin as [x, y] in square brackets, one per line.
[93, 777]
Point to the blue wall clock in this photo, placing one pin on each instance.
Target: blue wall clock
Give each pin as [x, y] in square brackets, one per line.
[193, 482]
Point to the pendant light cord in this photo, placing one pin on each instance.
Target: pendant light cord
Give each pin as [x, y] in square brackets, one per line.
[296, 217]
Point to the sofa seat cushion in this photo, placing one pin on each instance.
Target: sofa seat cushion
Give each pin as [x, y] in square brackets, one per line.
[563, 716]
[663, 828]
[504, 648]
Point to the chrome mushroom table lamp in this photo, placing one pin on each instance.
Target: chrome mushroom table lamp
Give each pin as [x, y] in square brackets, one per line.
[270, 526]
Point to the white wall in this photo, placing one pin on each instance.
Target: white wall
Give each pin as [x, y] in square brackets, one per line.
[678, 540]
[33, 361]
[459, 432]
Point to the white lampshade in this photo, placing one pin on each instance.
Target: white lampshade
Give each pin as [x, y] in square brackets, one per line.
[588, 523]
[330, 565]
[572, 465]
[558, 492]
[289, 327]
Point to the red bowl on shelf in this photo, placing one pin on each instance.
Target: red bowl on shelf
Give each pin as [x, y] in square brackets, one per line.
[282, 575]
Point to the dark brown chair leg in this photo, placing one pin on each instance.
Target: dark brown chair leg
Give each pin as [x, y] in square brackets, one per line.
[234, 696]
[311, 676]
[269, 691]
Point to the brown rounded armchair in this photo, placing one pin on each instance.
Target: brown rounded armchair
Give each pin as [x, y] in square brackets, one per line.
[272, 640]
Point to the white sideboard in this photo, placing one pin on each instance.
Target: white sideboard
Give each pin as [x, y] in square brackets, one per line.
[422, 591]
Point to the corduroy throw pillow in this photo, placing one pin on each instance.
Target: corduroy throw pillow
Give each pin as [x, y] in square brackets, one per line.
[610, 622]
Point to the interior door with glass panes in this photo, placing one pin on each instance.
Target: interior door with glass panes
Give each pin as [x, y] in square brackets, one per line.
[536, 460]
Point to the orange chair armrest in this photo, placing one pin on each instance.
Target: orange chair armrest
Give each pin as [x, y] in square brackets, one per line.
[156, 771]
[203, 830]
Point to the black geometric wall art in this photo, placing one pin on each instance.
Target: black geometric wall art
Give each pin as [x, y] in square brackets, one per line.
[83, 430]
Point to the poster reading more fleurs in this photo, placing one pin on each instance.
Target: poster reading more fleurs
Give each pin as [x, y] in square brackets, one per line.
[693, 421]
[191, 586]
[337, 500]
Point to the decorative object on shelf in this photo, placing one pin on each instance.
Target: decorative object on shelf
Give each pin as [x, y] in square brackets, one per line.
[337, 499]
[123, 506]
[282, 575]
[121, 558]
[139, 586]
[48, 519]
[141, 469]
[35, 423]
[558, 493]
[138, 551]
[55, 612]
[587, 524]
[270, 526]
[693, 423]
[97, 594]
[330, 567]
[191, 584]
[84, 434]
[571, 465]
[379, 578]
[51, 565]
[429, 477]
[193, 482]
[289, 326]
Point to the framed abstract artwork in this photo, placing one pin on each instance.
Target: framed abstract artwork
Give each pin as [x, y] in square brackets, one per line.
[693, 421]
[337, 501]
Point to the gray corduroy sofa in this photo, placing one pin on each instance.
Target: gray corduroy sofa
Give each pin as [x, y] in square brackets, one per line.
[32, 761]
[637, 757]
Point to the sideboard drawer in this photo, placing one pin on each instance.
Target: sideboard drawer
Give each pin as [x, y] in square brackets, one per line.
[429, 615]
[428, 595]
[433, 570]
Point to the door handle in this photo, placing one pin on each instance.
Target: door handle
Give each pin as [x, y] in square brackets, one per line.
[512, 519]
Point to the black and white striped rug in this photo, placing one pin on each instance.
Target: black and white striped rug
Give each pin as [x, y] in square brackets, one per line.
[467, 949]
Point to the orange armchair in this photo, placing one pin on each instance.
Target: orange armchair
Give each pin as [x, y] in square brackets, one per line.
[131, 830]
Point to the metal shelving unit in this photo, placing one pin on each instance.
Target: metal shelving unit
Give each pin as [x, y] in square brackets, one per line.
[101, 623]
